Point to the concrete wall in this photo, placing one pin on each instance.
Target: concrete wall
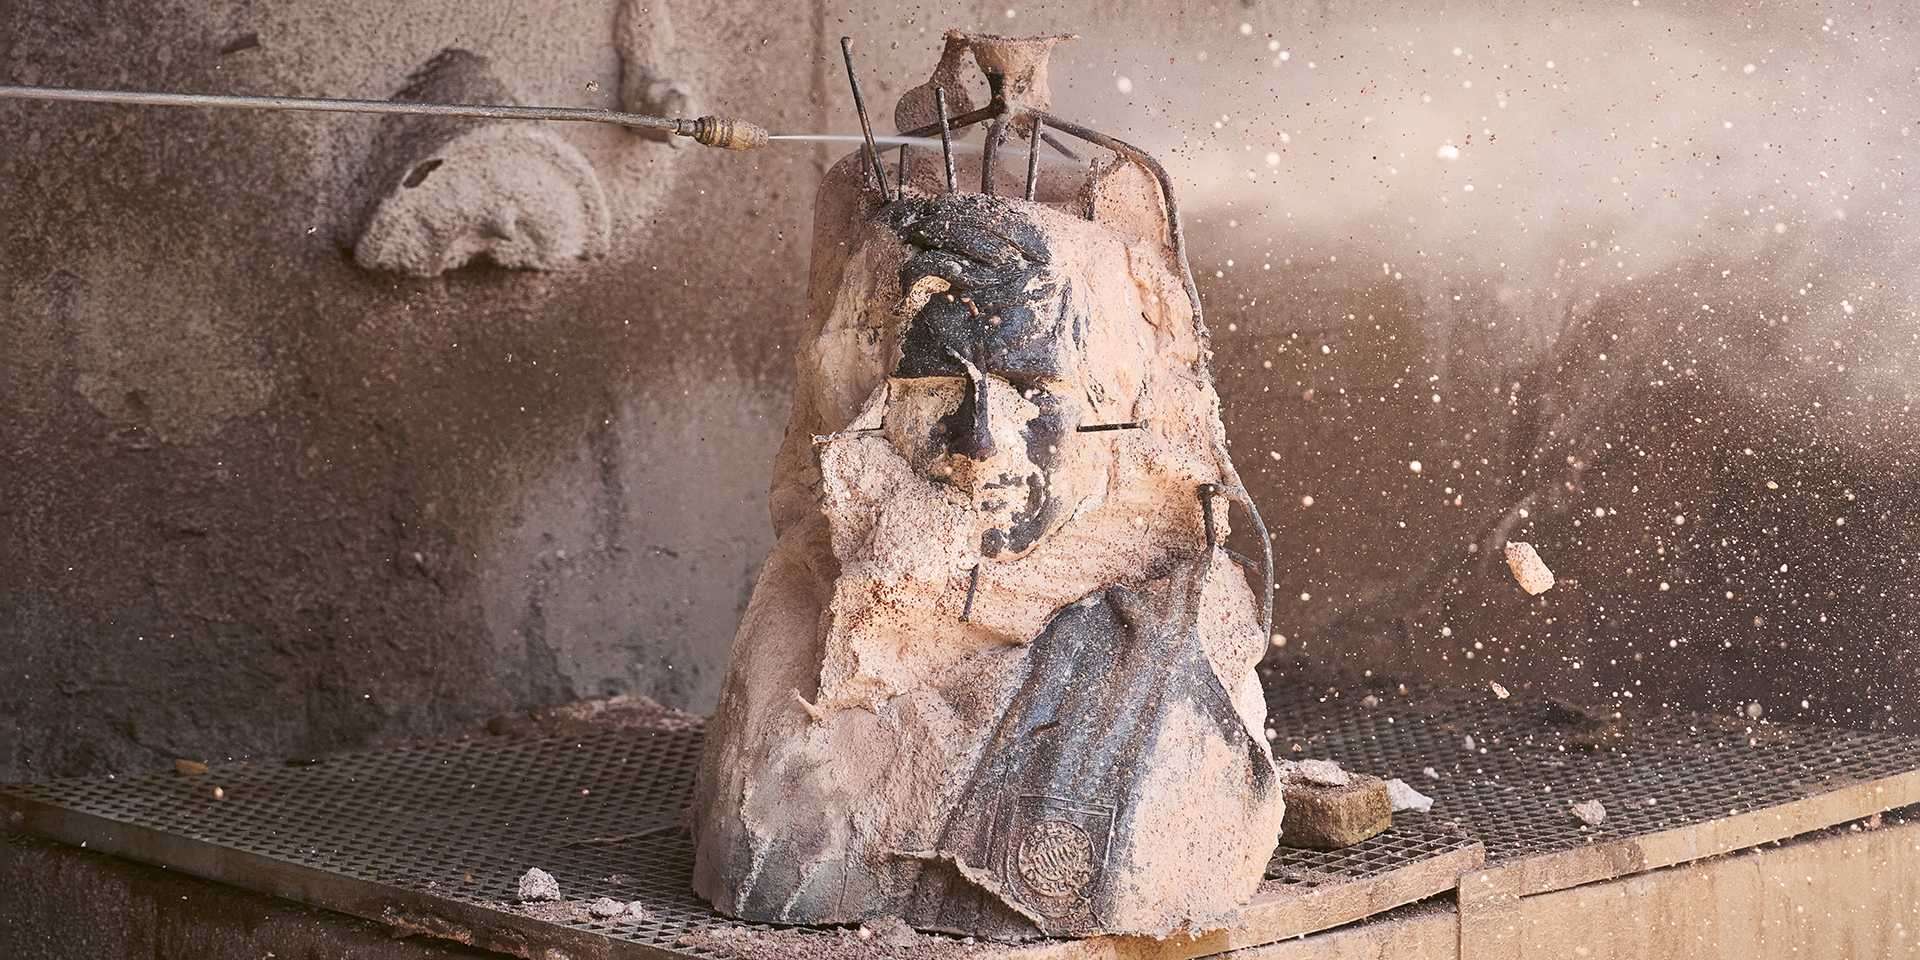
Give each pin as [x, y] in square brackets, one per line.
[259, 500]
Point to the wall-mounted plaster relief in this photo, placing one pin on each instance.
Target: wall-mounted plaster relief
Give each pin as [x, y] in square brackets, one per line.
[450, 190]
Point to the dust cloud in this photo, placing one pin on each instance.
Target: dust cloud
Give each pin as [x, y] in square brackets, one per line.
[1632, 280]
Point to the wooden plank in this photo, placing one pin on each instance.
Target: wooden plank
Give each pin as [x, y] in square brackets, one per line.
[1490, 897]
[1430, 931]
[406, 911]
[1834, 893]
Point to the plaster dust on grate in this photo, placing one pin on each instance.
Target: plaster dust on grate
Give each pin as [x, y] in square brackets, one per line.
[433, 838]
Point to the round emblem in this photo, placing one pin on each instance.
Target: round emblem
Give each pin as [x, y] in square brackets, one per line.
[1056, 858]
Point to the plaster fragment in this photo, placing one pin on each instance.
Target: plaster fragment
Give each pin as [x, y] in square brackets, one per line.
[538, 886]
[1528, 568]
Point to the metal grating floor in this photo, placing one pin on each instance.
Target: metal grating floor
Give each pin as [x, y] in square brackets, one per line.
[461, 820]
[1507, 770]
[434, 838]
[1395, 848]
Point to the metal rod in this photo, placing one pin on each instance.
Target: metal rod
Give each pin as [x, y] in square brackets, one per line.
[901, 180]
[866, 126]
[966, 612]
[1054, 142]
[946, 137]
[1207, 492]
[1103, 427]
[1033, 160]
[967, 119]
[996, 81]
[989, 167]
[713, 131]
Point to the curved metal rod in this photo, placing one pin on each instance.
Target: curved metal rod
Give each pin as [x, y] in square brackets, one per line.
[1207, 492]
[1175, 236]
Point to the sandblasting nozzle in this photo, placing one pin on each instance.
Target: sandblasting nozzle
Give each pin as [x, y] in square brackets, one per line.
[724, 132]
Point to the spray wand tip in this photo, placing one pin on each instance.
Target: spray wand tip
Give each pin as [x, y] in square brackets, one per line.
[727, 133]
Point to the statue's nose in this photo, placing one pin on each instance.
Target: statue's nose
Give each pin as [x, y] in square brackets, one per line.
[968, 426]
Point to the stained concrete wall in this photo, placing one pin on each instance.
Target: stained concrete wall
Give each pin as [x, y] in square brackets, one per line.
[259, 500]
[263, 501]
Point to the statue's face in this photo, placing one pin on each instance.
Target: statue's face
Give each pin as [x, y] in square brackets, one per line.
[1012, 451]
[987, 395]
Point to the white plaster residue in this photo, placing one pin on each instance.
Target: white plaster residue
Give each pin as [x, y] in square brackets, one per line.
[516, 195]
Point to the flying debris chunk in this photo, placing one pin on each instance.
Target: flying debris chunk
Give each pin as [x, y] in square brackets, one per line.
[1528, 568]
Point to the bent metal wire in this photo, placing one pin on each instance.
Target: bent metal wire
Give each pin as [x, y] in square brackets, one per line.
[1000, 111]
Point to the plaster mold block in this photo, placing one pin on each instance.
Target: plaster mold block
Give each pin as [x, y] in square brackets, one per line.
[448, 191]
[997, 676]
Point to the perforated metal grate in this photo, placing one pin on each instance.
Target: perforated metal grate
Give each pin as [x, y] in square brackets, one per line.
[1507, 771]
[463, 821]
[1391, 850]
[460, 822]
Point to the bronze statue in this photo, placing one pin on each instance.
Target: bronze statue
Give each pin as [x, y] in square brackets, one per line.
[997, 677]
